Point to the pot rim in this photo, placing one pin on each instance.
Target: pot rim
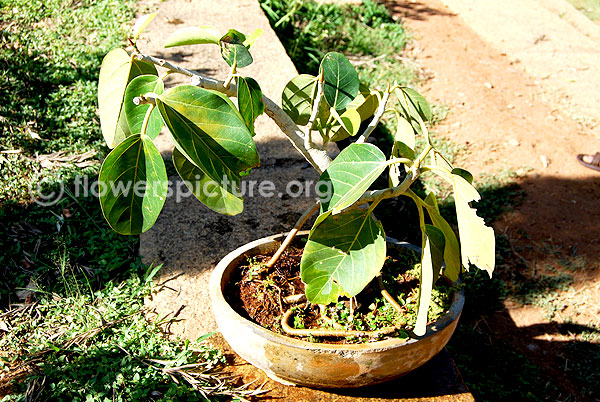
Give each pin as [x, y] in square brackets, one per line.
[216, 292]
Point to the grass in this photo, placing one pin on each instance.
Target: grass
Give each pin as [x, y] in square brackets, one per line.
[366, 34]
[49, 61]
[590, 8]
[73, 324]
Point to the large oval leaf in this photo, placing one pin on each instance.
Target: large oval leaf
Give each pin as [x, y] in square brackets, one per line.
[209, 192]
[133, 185]
[193, 36]
[350, 175]
[209, 131]
[477, 241]
[340, 80]
[118, 69]
[343, 254]
[135, 114]
[250, 101]
[297, 98]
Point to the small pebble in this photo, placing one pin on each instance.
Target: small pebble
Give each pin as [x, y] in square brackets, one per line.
[514, 142]
[488, 85]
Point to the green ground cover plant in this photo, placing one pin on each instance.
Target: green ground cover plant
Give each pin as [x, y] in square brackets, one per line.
[72, 321]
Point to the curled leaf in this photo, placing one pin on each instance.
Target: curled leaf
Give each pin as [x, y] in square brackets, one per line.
[194, 36]
[140, 24]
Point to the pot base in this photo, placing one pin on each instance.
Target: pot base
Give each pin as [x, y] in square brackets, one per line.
[288, 360]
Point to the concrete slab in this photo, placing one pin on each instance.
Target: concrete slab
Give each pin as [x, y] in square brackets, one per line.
[557, 45]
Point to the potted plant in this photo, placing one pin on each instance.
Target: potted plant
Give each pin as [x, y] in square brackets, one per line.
[345, 251]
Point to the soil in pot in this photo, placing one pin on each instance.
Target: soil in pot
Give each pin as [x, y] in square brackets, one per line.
[263, 295]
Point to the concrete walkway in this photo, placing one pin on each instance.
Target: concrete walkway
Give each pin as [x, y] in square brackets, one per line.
[556, 44]
[188, 238]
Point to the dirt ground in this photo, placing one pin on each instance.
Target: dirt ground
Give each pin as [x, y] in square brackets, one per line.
[507, 123]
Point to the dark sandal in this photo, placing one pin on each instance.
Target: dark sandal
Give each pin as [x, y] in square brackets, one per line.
[595, 161]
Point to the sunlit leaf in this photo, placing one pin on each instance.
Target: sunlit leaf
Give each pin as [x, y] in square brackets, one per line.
[194, 36]
[365, 103]
[133, 185]
[209, 192]
[250, 103]
[209, 131]
[477, 242]
[135, 114]
[350, 175]
[140, 24]
[297, 96]
[349, 124]
[425, 288]
[118, 69]
[343, 254]
[340, 80]
[250, 40]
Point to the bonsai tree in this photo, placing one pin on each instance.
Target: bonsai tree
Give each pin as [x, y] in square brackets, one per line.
[214, 149]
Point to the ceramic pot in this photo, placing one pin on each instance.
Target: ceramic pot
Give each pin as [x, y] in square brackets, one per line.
[297, 362]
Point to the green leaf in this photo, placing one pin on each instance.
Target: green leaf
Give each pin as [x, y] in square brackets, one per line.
[135, 114]
[194, 36]
[133, 184]
[414, 104]
[350, 175]
[209, 192]
[118, 69]
[365, 103]
[348, 124]
[236, 52]
[405, 135]
[250, 40]
[426, 285]
[477, 242]
[140, 24]
[438, 243]
[209, 131]
[250, 101]
[297, 98]
[465, 174]
[233, 36]
[340, 80]
[451, 246]
[343, 254]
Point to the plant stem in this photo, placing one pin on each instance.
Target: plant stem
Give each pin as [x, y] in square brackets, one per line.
[413, 174]
[147, 119]
[318, 158]
[307, 214]
[308, 142]
[231, 74]
[388, 296]
[338, 333]
[376, 118]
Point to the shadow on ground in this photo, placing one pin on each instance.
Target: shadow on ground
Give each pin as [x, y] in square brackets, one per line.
[413, 10]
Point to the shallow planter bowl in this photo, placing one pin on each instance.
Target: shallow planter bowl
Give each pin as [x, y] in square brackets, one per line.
[297, 362]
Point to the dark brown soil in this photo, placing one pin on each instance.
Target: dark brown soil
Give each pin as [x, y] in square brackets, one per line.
[258, 294]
